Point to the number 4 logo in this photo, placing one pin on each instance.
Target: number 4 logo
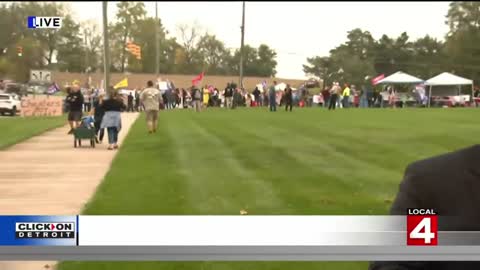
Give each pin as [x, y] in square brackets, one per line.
[422, 230]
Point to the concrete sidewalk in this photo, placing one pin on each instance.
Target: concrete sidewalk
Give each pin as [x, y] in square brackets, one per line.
[46, 175]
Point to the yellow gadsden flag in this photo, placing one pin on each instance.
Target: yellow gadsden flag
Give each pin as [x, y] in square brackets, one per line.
[121, 84]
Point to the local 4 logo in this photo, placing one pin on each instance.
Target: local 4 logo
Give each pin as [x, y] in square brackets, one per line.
[422, 227]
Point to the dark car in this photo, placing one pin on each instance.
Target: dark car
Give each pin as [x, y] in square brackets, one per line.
[15, 88]
[312, 83]
[37, 89]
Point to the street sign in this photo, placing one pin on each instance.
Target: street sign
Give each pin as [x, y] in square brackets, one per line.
[40, 75]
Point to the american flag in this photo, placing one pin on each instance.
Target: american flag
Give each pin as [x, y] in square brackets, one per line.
[377, 79]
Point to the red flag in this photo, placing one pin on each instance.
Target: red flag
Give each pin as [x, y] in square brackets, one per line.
[197, 79]
[377, 79]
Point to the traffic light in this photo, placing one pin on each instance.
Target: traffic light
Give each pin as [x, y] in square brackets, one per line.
[138, 53]
[135, 50]
[19, 50]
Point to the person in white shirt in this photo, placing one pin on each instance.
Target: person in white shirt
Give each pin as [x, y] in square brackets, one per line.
[151, 99]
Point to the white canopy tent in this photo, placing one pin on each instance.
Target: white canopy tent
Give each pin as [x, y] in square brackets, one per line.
[280, 86]
[260, 87]
[400, 78]
[447, 79]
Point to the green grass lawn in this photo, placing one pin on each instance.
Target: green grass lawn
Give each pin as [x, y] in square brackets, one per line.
[311, 161]
[17, 129]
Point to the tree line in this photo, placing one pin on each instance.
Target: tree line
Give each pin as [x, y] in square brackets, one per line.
[78, 47]
[362, 57]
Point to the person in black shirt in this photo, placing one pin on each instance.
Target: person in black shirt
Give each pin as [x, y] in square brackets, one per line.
[197, 98]
[98, 113]
[130, 102]
[137, 101]
[75, 102]
[112, 120]
[447, 183]
[184, 98]
[288, 98]
[165, 100]
[228, 94]
[256, 93]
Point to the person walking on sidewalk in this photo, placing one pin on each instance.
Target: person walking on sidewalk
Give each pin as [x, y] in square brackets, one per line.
[137, 100]
[75, 103]
[130, 102]
[112, 119]
[151, 99]
[87, 100]
[98, 114]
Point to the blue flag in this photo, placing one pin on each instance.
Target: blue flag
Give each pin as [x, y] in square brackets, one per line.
[53, 89]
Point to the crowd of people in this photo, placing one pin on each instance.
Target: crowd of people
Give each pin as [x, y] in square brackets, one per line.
[106, 111]
[349, 96]
[199, 98]
[104, 108]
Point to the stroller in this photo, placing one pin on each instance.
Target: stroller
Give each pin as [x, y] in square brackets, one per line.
[85, 131]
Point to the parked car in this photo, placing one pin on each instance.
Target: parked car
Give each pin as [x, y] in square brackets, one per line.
[9, 103]
[16, 88]
[38, 89]
[312, 83]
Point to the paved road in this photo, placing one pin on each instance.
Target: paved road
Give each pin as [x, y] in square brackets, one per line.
[46, 175]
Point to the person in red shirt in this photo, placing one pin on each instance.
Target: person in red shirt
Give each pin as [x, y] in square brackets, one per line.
[326, 97]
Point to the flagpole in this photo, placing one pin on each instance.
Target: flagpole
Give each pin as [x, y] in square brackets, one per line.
[241, 44]
[106, 51]
[157, 41]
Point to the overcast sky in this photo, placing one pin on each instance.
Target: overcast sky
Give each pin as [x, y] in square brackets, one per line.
[296, 30]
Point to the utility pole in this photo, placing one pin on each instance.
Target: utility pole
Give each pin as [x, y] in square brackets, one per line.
[106, 49]
[241, 45]
[87, 64]
[157, 41]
